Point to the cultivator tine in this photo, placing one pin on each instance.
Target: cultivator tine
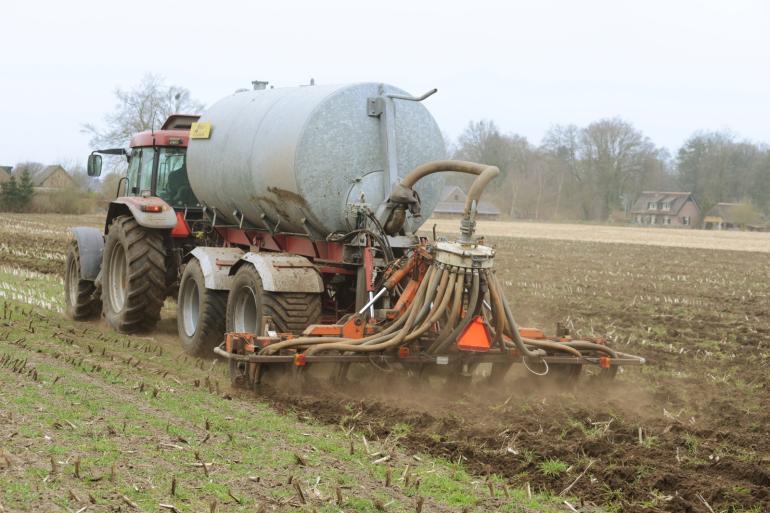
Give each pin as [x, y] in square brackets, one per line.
[498, 372]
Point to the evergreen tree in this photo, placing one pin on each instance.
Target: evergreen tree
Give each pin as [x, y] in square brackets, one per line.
[25, 189]
[9, 194]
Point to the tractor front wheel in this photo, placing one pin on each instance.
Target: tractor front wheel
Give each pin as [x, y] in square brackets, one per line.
[133, 276]
[80, 298]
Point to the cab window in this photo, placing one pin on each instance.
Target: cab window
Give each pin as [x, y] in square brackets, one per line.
[145, 173]
[173, 185]
[140, 171]
[133, 172]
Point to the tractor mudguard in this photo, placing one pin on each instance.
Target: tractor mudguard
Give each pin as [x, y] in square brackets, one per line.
[281, 272]
[90, 243]
[149, 212]
[216, 264]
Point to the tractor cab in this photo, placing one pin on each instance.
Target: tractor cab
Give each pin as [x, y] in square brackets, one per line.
[157, 165]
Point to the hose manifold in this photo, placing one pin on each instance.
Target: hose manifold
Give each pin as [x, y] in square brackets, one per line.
[468, 256]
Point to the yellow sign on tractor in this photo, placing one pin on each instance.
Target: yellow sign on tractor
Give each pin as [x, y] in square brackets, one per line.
[200, 130]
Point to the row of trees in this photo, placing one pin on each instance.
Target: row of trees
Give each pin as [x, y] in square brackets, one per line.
[596, 172]
[717, 167]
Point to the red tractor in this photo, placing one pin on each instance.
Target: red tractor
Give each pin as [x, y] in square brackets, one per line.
[127, 270]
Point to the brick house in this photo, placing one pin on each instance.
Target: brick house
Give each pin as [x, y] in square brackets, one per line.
[52, 177]
[654, 208]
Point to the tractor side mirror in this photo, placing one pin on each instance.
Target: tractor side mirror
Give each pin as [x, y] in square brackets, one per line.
[94, 167]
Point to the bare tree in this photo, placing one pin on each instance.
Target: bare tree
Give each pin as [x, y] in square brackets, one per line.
[522, 164]
[109, 186]
[560, 146]
[143, 107]
[31, 167]
[716, 166]
[613, 155]
[483, 142]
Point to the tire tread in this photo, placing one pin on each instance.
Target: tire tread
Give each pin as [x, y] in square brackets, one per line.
[146, 289]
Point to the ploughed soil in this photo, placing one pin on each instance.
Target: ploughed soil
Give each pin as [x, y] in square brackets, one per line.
[692, 442]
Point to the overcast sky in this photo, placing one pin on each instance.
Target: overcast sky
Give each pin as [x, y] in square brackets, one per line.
[668, 67]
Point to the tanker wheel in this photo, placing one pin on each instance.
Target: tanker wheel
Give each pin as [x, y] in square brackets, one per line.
[248, 304]
[200, 317]
[80, 298]
[133, 276]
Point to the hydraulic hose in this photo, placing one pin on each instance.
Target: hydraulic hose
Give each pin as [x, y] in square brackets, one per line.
[485, 173]
[430, 294]
[591, 346]
[473, 303]
[428, 307]
[389, 341]
[404, 194]
[437, 310]
[498, 313]
[553, 346]
[312, 341]
[444, 301]
[514, 329]
[454, 312]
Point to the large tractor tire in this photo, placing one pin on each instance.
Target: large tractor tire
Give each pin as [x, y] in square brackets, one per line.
[80, 299]
[200, 315]
[133, 276]
[248, 304]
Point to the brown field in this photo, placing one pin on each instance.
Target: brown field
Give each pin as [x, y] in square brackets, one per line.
[671, 237]
[689, 432]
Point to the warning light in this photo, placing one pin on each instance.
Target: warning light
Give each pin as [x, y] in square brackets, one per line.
[475, 336]
[604, 362]
[152, 208]
[403, 352]
[299, 360]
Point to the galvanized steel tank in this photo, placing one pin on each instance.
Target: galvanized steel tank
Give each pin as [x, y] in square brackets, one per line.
[293, 159]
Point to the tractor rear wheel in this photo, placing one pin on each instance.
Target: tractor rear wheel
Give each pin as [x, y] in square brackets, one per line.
[200, 314]
[80, 298]
[248, 305]
[133, 276]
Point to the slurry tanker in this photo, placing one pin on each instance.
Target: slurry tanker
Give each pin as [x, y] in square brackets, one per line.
[283, 221]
